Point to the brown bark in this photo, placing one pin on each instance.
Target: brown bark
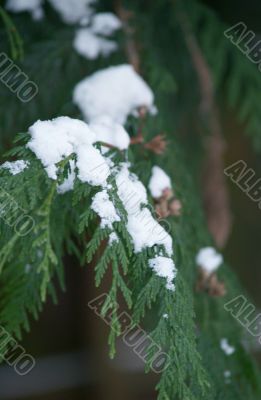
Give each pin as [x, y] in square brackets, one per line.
[131, 46]
[158, 144]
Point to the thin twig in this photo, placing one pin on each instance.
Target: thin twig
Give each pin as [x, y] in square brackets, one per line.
[131, 45]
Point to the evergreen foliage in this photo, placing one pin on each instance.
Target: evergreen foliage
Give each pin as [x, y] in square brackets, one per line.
[65, 223]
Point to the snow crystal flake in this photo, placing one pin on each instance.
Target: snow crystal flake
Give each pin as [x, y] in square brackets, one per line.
[165, 316]
[91, 46]
[225, 346]
[15, 167]
[105, 23]
[164, 267]
[158, 182]
[114, 91]
[209, 259]
[104, 207]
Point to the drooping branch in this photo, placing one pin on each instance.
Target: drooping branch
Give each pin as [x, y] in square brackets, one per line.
[215, 194]
[131, 46]
[158, 144]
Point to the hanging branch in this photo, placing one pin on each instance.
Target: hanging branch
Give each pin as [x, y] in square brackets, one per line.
[131, 46]
[158, 144]
[14, 38]
[215, 194]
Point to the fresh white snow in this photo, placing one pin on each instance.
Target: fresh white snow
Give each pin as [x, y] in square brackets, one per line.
[209, 259]
[54, 140]
[104, 207]
[106, 99]
[92, 46]
[114, 91]
[227, 374]
[105, 23]
[144, 230]
[93, 167]
[110, 132]
[164, 267]
[158, 182]
[225, 346]
[73, 11]
[15, 167]
[32, 6]
[68, 183]
[113, 238]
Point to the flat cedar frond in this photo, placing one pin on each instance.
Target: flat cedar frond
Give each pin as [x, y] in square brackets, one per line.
[95, 189]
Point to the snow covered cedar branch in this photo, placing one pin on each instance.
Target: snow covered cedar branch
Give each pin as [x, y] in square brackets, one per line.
[66, 175]
[69, 173]
[68, 170]
[91, 187]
